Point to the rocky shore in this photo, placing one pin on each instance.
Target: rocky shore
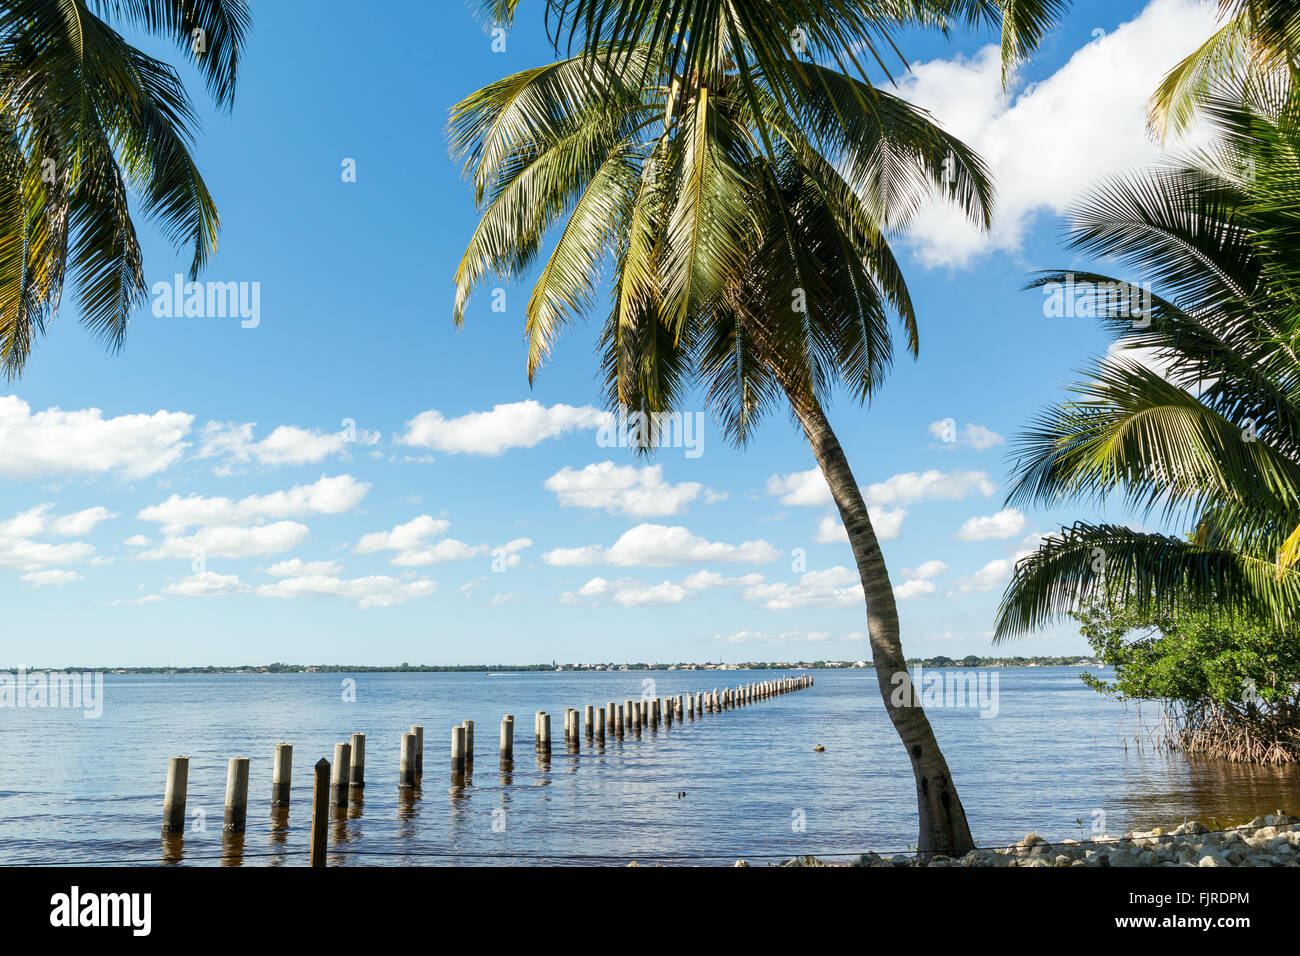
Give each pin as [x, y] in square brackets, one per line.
[1272, 840]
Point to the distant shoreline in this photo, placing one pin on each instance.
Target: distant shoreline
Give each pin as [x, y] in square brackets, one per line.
[279, 668]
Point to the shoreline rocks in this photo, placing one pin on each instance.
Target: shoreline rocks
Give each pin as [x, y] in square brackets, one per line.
[1272, 840]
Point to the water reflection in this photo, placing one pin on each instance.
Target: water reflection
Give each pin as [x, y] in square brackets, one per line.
[173, 847]
[232, 849]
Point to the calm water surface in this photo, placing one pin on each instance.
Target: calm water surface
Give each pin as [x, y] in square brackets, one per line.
[79, 790]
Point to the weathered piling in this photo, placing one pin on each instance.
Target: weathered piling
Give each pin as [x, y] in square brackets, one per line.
[236, 795]
[600, 724]
[507, 738]
[357, 771]
[589, 720]
[406, 762]
[668, 711]
[537, 731]
[418, 731]
[611, 718]
[469, 743]
[281, 775]
[320, 808]
[342, 767]
[178, 776]
[458, 751]
[618, 721]
[544, 735]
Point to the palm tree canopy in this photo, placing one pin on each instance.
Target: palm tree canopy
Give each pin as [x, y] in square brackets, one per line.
[692, 38]
[85, 119]
[735, 235]
[1259, 39]
[1213, 437]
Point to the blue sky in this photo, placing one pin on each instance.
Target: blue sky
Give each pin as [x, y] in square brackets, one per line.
[346, 511]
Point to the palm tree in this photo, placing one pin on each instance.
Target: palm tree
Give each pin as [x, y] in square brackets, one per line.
[1259, 38]
[86, 118]
[1207, 428]
[747, 238]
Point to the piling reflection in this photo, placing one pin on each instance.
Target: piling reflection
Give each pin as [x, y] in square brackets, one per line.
[279, 824]
[408, 810]
[232, 849]
[173, 847]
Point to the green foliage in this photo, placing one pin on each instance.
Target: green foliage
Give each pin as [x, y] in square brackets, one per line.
[88, 121]
[745, 244]
[1195, 412]
[1193, 655]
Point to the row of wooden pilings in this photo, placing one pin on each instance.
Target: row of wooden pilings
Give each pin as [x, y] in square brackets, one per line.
[349, 768]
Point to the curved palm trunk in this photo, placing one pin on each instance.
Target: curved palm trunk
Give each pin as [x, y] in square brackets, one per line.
[943, 821]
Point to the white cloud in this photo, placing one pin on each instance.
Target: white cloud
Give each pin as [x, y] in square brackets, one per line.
[632, 592]
[969, 435]
[712, 580]
[806, 488]
[507, 597]
[51, 578]
[887, 522]
[515, 425]
[329, 496]
[414, 549]
[137, 602]
[757, 637]
[909, 590]
[286, 445]
[227, 542]
[993, 575]
[929, 485]
[404, 537]
[656, 545]
[80, 522]
[1055, 139]
[56, 442]
[809, 488]
[1005, 524]
[926, 570]
[207, 584]
[19, 548]
[375, 591]
[623, 489]
[832, 587]
[297, 567]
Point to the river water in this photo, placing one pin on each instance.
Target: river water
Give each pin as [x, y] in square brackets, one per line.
[1044, 753]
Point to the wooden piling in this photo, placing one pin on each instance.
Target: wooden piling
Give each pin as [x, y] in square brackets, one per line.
[236, 795]
[418, 730]
[357, 771]
[406, 762]
[469, 743]
[178, 776]
[281, 775]
[342, 766]
[458, 751]
[600, 724]
[589, 720]
[544, 735]
[320, 808]
[508, 737]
